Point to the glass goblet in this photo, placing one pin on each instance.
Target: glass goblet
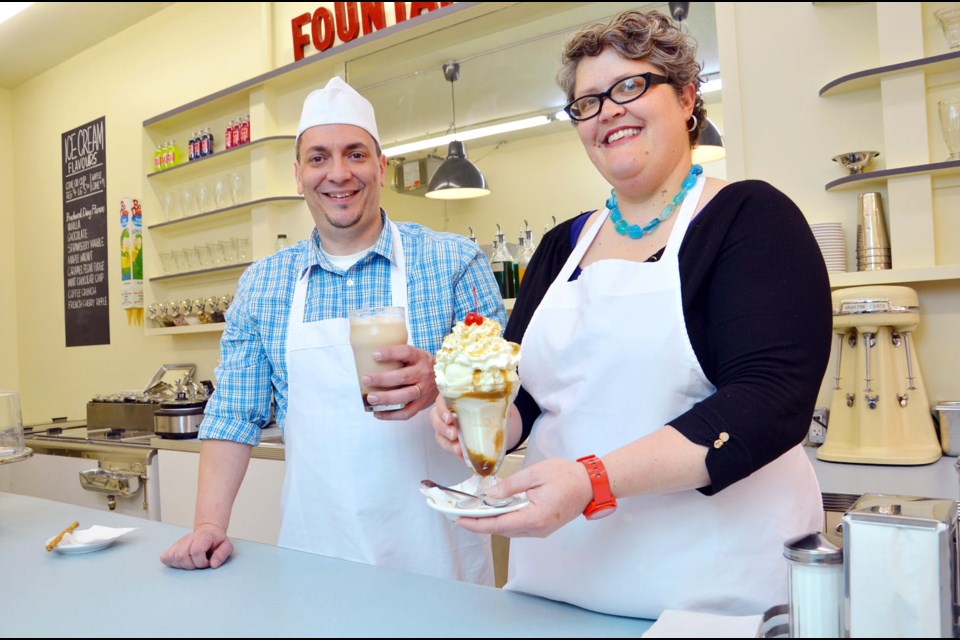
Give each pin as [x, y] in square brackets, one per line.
[220, 193]
[236, 187]
[482, 432]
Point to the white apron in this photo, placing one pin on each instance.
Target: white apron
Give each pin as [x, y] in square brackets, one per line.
[352, 482]
[608, 359]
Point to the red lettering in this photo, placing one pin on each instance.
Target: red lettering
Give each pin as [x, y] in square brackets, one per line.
[372, 17]
[322, 36]
[348, 23]
[418, 8]
[300, 40]
[445, 4]
[400, 10]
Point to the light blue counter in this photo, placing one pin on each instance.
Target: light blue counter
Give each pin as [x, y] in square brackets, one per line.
[263, 590]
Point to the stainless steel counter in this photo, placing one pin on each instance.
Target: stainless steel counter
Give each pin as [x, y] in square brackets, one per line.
[936, 480]
[262, 591]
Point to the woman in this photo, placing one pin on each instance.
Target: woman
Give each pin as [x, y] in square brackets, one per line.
[680, 334]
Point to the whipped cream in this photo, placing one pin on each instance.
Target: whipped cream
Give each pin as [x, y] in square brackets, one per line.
[476, 358]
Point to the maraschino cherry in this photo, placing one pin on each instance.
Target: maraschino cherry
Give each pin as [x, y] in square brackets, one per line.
[473, 317]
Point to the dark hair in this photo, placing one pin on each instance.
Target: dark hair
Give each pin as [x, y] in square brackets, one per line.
[638, 35]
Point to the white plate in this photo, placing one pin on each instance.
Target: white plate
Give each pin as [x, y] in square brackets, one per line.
[77, 547]
[439, 501]
[87, 540]
[453, 512]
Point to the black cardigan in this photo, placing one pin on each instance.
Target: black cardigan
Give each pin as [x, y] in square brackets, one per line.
[756, 301]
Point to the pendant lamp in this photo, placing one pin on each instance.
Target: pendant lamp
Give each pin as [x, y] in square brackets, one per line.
[709, 145]
[456, 178]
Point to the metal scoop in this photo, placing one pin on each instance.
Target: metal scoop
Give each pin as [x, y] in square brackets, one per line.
[465, 500]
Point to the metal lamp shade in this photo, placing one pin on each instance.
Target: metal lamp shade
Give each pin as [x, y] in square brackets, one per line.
[457, 178]
[709, 146]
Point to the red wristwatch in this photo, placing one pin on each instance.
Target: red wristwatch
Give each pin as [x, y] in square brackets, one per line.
[603, 503]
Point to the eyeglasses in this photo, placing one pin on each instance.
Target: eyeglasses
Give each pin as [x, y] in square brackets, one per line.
[624, 91]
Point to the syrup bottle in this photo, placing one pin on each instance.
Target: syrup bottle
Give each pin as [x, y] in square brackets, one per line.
[504, 266]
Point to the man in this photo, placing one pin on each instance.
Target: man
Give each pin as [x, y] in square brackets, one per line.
[352, 478]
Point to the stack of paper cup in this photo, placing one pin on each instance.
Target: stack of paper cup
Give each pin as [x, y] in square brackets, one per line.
[829, 237]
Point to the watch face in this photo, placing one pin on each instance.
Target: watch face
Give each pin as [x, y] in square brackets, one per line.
[601, 512]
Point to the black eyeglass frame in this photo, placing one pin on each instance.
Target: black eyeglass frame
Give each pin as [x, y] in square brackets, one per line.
[649, 78]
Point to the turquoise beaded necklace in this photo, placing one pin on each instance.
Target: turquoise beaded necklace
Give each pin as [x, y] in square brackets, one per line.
[635, 231]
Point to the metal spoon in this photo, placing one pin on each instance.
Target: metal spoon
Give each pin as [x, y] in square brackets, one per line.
[464, 500]
[467, 500]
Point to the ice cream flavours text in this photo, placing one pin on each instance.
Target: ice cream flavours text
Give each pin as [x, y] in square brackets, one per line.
[81, 147]
[348, 19]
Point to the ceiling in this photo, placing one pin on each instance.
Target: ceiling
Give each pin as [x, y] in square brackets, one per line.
[47, 33]
[508, 59]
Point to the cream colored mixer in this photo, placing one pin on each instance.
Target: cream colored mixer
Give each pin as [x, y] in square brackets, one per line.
[879, 413]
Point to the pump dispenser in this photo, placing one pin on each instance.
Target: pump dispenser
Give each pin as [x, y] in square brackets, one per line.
[526, 251]
[504, 266]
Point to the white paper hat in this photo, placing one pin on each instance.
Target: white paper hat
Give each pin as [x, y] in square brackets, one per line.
[338, 103]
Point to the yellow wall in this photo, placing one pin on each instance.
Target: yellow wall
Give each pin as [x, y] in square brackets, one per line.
[127, 78]
[9, 360]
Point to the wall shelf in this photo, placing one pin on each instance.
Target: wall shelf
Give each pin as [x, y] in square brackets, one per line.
[894, 276]
[221, 215]
[201, 273]
[875, 179]
[219, 160]
[870, 78]
[190, 328]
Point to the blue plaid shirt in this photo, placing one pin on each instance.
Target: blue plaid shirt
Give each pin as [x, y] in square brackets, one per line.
[442, 269]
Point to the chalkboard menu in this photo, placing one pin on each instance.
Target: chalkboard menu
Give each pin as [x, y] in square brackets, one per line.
[86, 297]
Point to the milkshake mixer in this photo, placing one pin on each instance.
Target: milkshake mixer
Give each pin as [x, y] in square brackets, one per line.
[879, 413]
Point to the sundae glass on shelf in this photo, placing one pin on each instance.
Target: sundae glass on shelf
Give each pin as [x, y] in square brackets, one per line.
[476, 373]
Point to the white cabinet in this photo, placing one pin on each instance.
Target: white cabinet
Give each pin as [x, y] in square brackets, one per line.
[256, 511]
[57, 477]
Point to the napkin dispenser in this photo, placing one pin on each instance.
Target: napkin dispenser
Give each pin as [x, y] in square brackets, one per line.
[900, 567]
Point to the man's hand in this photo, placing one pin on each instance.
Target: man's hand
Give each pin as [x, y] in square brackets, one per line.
[414, 383]
[207, 547]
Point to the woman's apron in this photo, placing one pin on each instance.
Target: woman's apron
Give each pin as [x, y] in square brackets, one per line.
[608, 359]
[352, 482]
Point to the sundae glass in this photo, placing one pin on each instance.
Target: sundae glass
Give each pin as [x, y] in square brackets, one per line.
[476, 373]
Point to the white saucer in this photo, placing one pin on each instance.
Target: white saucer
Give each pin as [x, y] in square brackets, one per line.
[86, 540]
[440, 501]
[79, 547]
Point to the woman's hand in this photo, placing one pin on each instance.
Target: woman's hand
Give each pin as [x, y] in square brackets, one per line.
[444, 423]
[558, 491]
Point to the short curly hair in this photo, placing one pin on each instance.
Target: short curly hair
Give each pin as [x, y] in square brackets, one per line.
[639, 35]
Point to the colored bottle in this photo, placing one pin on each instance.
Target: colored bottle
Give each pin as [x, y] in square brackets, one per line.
[125, 272]
[192, 147]
[235, 132]
[228, 135]
[245, 130]
[136, 244]
[158, 158]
